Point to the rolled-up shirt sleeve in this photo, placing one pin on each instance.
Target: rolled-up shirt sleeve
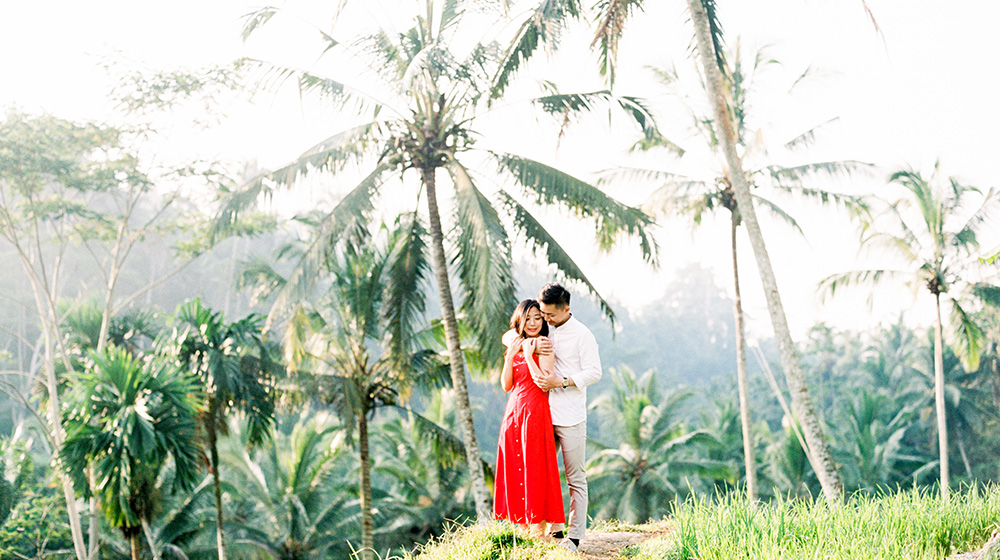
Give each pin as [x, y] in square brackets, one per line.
[590, 361]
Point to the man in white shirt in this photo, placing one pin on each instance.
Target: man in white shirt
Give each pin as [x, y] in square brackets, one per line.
[577, 365]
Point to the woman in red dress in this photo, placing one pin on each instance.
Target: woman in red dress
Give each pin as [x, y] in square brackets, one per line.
[527, 476]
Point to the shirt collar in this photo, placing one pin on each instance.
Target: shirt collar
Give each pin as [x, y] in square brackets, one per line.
[564, 324]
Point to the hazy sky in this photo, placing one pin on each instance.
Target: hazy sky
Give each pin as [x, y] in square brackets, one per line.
[921, 90]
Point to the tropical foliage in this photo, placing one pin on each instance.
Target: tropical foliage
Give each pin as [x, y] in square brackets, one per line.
[194, 438]
[425, 117]
[128, 417]
[933, 235]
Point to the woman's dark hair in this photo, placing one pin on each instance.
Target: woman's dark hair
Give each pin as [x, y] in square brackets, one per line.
[554, 294]
[520, 317]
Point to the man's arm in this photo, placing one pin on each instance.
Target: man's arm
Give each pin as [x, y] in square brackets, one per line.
[590, 362]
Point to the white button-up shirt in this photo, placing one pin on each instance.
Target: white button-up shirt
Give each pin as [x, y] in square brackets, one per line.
[576, 358]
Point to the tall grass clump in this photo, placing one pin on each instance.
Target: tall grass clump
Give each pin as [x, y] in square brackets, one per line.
[496, 541]
[911, 524]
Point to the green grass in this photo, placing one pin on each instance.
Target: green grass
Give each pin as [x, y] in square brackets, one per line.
[497, 541]
[905, 525]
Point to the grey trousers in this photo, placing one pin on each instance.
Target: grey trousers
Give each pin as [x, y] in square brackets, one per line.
[573, 442]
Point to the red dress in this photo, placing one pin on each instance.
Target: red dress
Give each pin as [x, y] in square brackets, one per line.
[527, 476]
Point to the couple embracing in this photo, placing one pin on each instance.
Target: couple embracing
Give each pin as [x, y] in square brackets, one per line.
[551, 358]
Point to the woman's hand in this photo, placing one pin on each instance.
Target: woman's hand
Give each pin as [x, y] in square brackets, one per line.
[512, 350]
[528, 346]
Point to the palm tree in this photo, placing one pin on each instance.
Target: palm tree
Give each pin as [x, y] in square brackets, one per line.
[708, 40]
[298, 498]
[357, 340]
[968, 404]
[127, 418]
[237, 372]
[936, 244]
[696, 196]
[877, 456]
[433, 85]
[178, 529]
[722, 419]
[709, 51]
[636, 480]
[421, 471]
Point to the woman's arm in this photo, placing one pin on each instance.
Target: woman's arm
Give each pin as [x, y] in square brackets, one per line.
[529, 350]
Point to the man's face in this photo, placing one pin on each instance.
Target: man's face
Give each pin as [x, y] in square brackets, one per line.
[555, 314]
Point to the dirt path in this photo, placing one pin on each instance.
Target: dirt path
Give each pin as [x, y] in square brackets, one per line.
[607, 546]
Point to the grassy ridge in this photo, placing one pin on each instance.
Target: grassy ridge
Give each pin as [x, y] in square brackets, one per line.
[907, 525]
[497, 541]
[904, 525]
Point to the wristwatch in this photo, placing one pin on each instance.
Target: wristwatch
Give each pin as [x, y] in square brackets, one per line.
[565, 382]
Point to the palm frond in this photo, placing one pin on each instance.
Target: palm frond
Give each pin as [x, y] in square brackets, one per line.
[966, 237]
[967, 337]
[450, 446]
[388, 54]
[807, 138]
[846, 280]
[987, 293]
[182, 522]
[905, 246]
[841, 168]
[541, 240]
[351, 216]
[254, 20]
[855, 205]
[483, 263]
[776, 211]
[330, 155]
[406, 270]
[715, 30]
[611, 20]
[657, 140]
[626, 175]
[270, 77]
[260, 277]
[667, 201]
[566, 106]
[542, 25]
[430, 369]
[612, 218]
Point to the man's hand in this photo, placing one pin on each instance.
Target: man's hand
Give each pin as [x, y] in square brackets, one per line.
[543, 346]
[547, 380]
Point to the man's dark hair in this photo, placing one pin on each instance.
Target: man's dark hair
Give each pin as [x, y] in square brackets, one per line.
[554, 294]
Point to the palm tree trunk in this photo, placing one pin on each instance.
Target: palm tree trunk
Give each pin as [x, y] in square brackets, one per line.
[749, 459]
[942, 421]
[965, 456]
[367, 542]
[213, 451]
[477, 476]
[818, 452]
[134, 546]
